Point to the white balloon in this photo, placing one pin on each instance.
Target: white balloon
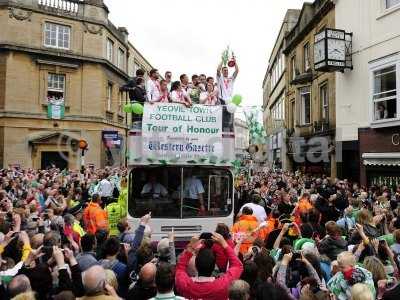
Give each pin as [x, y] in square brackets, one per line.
[231, 108]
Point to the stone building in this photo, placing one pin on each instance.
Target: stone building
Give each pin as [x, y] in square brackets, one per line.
[275, 85]
[310, 95]
[368, 96]
[62, 63]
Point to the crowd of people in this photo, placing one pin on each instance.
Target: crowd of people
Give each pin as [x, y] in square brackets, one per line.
[65, 235]
[200, 90]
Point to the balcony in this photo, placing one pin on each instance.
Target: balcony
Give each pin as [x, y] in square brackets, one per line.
[70, 7]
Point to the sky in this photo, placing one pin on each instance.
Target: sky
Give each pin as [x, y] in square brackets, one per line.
[188, 36]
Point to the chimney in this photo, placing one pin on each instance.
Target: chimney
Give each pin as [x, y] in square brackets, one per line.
[124, 33]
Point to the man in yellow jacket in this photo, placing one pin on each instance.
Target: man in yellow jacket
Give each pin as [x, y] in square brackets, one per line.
[246, 225]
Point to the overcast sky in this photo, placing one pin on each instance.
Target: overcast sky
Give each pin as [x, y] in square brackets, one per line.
[188, 36]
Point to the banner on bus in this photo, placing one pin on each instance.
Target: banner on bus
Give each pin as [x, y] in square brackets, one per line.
[175, 132]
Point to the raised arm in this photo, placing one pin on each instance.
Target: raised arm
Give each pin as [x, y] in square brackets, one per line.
[277, 243]
[235, 74]
[219, 69]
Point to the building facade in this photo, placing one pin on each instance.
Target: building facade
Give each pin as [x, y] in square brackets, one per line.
[241, 139]
[274, 95]
[62, 64]
[310, 95]
[368, 97]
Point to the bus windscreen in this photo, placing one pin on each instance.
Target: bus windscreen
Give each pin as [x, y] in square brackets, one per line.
[180, 192]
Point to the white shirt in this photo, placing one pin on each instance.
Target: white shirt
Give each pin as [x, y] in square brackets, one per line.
[225, 88]
[105, 188]
[179, 96]
[155, 189]
[192, 188]
[153, 90]
[258, 211]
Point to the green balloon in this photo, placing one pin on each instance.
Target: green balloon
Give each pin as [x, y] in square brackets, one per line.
[237, 99]
[127, 108]
[137, 108]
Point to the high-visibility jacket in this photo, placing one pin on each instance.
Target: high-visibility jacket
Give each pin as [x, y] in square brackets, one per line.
[246, 225]
[303, 206]
[123, 200]
[95, 218]
[115, 213]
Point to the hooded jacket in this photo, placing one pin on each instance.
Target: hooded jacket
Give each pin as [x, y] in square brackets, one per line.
[95, 218]
[332, 247]
[246, 224]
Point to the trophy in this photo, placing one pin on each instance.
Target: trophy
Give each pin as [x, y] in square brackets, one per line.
[225, 58]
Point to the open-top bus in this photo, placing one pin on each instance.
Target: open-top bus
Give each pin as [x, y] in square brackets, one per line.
[180, 170]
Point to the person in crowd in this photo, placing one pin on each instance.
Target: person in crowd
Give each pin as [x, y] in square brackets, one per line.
[349, 275]
[165, 282]
[194, 90]
[87, 258]
[153, 86]
[184, 81]
[132, 84]
[94, 217]
[95, 285]
[245, 226]
[239, 290]
[209, 96]
[258, 210]
[138, 93]
[145, 288]
[168, 79]
[205, 286]
[115, 213]
[105, 190]
[179, 95]
[332, 244]
[164, 92]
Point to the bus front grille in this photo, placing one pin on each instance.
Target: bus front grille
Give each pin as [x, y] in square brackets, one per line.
[197, 228]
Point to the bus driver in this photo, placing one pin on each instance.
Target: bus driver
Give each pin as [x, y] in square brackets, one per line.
[153, 188]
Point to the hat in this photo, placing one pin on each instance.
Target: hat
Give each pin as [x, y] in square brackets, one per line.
[76, 209]
[163, 249]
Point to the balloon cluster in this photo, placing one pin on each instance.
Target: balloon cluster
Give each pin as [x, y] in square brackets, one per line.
[233, 105]
[135, 107]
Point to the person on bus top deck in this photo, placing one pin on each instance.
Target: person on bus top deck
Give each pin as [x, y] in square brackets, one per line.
[154, 188]
[179, 95]
[193, 191]
[153, 86]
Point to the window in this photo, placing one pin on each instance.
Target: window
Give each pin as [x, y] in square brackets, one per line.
[121, 102]
[306, 56]
[57, 36]
[165, 191]
[391, 3]
[385, 93]
[278, 110]
[55, 87]
[109, 96]
[293, 67]
[323, 95]
[110, 50]
[277, 70]
[121, 58]
[305, 106]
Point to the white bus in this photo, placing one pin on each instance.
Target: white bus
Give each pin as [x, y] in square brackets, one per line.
[180, 170]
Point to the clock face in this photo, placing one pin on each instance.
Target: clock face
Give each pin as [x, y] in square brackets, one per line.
[319, 51]
[337, 49]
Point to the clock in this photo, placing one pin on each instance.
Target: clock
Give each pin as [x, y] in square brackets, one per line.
[331, 50]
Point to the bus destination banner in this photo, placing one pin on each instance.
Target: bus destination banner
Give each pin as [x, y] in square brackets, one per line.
[175, 132]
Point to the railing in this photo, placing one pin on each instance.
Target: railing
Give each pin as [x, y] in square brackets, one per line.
[70, 7]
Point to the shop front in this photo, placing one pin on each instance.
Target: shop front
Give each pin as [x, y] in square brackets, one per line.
[314, 155]
[380, 156]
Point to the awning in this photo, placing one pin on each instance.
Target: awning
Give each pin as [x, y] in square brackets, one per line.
[381, 159]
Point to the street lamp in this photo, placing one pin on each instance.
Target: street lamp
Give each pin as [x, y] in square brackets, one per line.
[83, 145]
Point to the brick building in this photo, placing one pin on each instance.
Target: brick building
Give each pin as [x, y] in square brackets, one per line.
[62, 64]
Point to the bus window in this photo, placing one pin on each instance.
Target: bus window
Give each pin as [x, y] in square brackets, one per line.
[154, 190]
[206, 192]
